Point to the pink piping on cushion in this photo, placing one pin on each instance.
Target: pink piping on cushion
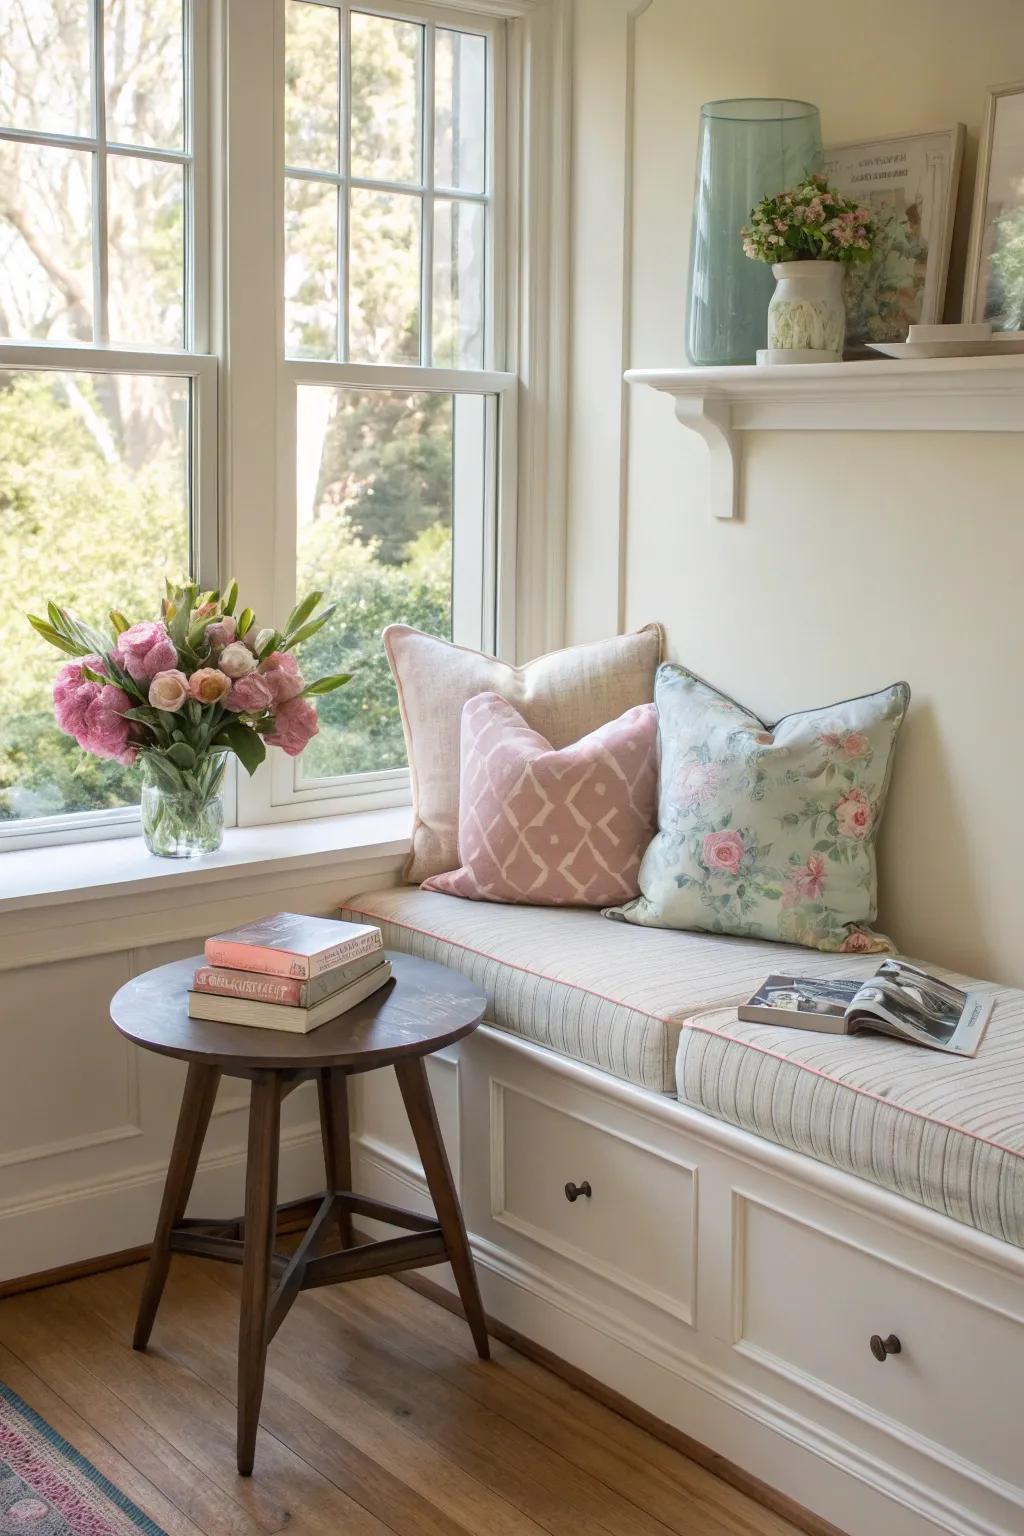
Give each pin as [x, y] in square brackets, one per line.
[428, 933]
[661, 1018]
[867, 1093]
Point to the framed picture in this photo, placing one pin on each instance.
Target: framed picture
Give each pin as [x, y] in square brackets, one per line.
[994, 280]
[909, 182]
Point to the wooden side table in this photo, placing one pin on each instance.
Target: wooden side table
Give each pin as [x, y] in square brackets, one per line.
[423, 1008]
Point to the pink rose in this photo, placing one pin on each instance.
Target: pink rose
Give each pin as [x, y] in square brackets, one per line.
[853, 814]
[857, 942]
[723, 851]
[295, 725]
[146, 649]
[805, 883]
[222, 633]
[107, 733]
[250, 695]
[169, 690]
[280, 672]
[856, 745]
[209, 686]
[73, 693]
[236, 659]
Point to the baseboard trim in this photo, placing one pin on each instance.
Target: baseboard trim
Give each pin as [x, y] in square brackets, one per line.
[778, 1503]
[291, 1219]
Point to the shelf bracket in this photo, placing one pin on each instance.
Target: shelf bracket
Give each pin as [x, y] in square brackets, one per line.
[711, 420]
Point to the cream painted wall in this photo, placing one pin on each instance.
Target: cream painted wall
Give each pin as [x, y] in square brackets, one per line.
[859, 558]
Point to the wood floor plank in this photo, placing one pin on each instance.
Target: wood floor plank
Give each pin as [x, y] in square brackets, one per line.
[685, 1496]
[197, 1420]
[378, 1420]
[538, 1480]
[195, 1326]
[311, 1380]
[177, 1513]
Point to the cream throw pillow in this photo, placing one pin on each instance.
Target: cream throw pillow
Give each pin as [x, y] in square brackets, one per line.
[563, 696]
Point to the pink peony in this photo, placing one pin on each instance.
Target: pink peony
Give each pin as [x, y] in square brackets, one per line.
[146, 649]
[295, 725]
[222, 633]
[169, 690]
[250, 695]
[280, 672]
[853, 814]
[236, 659]
[857, 942]
[209, 686]
[73, 693]
[107, 733]
[805, 883]
[723, 851]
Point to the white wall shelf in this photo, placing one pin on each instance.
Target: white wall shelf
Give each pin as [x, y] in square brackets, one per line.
[950, 394]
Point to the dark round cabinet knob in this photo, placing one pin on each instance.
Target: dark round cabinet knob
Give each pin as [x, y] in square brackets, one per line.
[573, 1191]
[880, 1347]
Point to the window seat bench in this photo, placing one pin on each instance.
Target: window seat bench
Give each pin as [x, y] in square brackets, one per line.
[724, 1223]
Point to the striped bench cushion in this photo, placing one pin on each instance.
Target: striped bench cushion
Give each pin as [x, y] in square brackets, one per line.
[945, 1131]
[613, 996]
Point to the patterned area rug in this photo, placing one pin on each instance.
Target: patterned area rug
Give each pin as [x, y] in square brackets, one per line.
[48, 1489]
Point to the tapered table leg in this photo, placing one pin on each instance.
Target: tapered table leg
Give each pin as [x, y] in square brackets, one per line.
[419, 1106]
[260, 1227]
[332, 1087]
[193, 1120]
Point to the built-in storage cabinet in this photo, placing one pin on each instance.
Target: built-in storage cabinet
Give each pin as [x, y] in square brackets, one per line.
[730, 1287]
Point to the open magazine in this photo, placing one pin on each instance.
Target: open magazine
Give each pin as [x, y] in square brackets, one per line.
[898, 1000]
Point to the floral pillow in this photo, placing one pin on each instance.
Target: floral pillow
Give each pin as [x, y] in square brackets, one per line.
[767, 832]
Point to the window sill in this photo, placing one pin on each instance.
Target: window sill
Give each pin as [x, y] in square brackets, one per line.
[102, 897]
[71, 872]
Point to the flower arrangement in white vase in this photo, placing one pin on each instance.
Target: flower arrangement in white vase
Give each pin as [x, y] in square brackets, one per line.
[809, 234]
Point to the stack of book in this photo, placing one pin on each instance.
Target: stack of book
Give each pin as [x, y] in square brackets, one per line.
[288, 972]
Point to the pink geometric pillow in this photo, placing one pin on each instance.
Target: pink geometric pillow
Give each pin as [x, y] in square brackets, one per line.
[547, 828]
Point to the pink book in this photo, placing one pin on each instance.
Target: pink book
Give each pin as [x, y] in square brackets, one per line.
[290, 944]
[285, 991]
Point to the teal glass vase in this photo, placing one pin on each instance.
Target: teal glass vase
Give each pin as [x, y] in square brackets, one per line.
[748, 149]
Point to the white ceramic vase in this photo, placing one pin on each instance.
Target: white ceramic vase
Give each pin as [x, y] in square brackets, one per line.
[806, 316]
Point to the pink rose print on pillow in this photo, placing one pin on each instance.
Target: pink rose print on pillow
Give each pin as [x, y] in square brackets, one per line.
[805, 883]
[857, 942]
[847, 743]
[853, 814]
[723, 851]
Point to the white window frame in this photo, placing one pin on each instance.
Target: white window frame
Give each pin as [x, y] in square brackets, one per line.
[279, 791]
[193, 361]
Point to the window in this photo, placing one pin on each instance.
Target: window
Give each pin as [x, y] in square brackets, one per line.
[333, 197]
[397, 416]
[107, 408]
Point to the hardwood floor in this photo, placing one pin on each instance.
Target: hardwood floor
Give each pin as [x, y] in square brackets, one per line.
[377, 1418]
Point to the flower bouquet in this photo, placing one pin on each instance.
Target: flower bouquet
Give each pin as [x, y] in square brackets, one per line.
[177, 694]
[809, 233]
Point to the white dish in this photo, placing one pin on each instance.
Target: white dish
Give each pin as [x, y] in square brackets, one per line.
[1004, 342]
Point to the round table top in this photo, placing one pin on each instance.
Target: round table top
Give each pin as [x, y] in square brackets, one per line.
[423, 1007]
